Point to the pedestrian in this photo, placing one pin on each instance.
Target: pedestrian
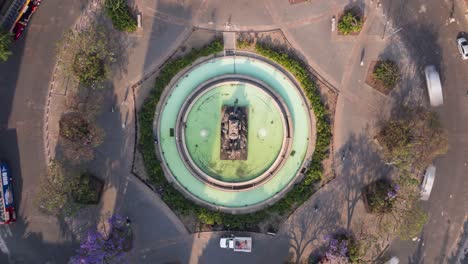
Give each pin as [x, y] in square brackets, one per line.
[316, 208]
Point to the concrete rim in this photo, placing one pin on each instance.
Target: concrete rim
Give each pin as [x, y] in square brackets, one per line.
[199, 173]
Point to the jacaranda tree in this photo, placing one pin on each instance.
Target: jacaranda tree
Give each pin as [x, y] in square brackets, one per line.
[101, 248]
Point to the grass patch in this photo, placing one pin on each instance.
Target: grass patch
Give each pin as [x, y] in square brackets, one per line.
[292, 199]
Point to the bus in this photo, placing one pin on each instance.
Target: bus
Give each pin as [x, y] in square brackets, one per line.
[7, 208]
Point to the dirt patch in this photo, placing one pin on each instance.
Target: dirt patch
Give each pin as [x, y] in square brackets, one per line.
[376, 84]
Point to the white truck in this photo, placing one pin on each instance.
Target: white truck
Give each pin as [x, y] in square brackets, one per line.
[238, 244]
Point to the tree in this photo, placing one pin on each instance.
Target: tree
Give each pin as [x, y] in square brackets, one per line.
[53, 192]
[79, 137]
[413, 139]
[119, 12]
[65, 189]
[87, 55]
[387, 72]
[405, 218]
[89, 68]
[5, 42]
[101, 247]
[341, 247]
[380, 196]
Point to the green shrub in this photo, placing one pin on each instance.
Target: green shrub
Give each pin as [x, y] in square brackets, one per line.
[295, 197]
[78, 137]
[119, 12]
[244, 43]
[64, 190]
[380, 196]
[350, 23]
[86, 189]
[412, 222]
[87, 55]
[5, 42]
[412, 140]
[387, 72]
[89, 68]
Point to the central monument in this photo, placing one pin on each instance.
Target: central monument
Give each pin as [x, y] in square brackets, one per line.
[234, 132]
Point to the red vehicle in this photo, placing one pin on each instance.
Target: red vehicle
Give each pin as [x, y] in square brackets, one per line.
[7, 208]
[25, 15]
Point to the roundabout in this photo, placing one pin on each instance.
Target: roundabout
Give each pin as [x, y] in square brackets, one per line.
[235, 133]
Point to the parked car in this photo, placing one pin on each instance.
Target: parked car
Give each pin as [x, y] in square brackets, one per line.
[428, 182]
[462, 44]
[434, 86]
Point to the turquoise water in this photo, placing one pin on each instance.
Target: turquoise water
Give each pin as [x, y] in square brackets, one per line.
[264, 138]
[271, 77]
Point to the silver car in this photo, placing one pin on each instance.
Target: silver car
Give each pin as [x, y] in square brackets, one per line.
[434, 86]
[463, 47]
[428, 182]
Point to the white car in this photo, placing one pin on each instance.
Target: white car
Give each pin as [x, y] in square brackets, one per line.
[463, 47]
[434, 86]
[428, 182]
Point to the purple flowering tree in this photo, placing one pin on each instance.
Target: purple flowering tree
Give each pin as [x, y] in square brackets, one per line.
[102, 248]
[381, 196]
[341, 247]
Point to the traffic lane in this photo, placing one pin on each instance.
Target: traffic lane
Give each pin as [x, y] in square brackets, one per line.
[23, 91]
[151, 219]
[30, 88]
[17, 245]
[448, 204]
[262, 249]
[9, 153]
[204, 248]
[446, 214]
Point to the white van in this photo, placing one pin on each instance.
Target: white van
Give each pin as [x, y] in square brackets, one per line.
[434, 87]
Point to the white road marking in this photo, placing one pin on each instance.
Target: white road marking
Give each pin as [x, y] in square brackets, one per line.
[3, 247]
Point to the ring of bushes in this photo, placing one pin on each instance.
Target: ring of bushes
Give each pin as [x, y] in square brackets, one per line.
[298, 195]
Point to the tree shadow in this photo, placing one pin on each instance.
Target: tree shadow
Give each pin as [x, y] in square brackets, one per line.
[357, 7]
[360, 165]
[461, 251]
[319, 216]
[420, 47]
[30, 247]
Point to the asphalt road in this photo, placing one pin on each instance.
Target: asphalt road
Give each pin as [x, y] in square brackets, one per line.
[24, 80]
[431, 40]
